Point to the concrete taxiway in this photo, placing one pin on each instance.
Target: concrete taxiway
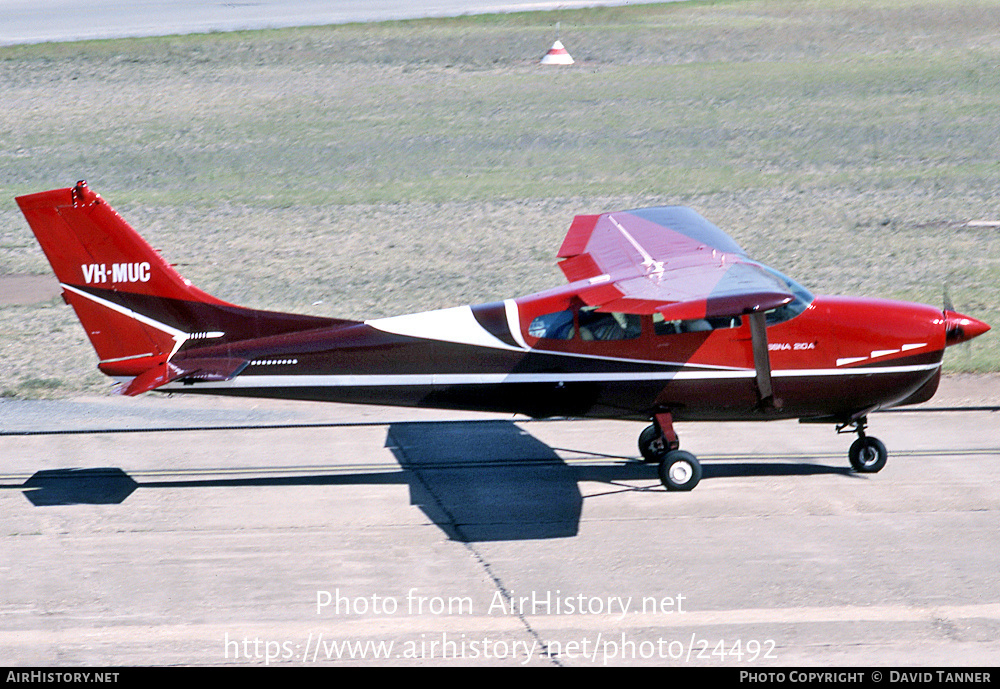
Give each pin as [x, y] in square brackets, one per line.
[233, 532]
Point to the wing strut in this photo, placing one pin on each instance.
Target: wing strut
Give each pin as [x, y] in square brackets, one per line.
[762, 361]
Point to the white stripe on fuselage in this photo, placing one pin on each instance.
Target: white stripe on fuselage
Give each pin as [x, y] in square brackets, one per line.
[457, 325]
[439, 379]
[514, 322]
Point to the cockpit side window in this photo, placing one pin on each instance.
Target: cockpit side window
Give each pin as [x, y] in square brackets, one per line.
[801, 299]
[662, 326]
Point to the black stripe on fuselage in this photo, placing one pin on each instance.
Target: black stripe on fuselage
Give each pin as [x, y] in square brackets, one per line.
[235, 322]
[493, 319]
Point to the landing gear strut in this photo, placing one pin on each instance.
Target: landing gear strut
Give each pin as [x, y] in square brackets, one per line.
[867, 454]
[652, 446]
[658, 443]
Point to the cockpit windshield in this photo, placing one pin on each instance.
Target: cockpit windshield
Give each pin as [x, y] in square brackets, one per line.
[801, 301]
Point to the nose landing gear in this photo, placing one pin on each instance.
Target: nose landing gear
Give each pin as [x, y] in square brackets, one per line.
[867, 454]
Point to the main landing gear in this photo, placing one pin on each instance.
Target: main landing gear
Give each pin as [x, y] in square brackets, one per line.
[658, 443]
[867, 454]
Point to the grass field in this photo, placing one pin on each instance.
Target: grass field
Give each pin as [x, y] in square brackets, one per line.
[368, 170]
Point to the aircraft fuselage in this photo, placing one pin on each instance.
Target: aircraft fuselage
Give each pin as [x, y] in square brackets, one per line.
[837, 357]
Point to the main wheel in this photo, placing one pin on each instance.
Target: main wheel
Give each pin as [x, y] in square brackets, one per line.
[868, 455]
[650, 446]
[679, 470]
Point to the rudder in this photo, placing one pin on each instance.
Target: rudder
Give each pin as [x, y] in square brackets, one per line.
[89, 244]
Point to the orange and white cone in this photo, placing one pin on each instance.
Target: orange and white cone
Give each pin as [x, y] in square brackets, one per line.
[557, 55]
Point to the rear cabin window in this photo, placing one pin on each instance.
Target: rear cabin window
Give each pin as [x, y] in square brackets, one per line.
[553, 326]
[595, 325]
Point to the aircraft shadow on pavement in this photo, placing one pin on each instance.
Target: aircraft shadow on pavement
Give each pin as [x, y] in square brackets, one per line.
[100, 486]
[477, 481]
[487, 481]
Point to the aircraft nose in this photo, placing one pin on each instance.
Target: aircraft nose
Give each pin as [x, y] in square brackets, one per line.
[959, 328]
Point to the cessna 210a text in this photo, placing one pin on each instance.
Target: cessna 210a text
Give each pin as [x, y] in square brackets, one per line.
[664, 318]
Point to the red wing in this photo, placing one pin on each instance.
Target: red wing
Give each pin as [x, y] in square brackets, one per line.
[668, 260]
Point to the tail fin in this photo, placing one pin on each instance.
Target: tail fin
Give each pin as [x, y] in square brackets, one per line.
[137, 310]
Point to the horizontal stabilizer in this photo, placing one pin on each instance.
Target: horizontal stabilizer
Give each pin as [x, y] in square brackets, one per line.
[193, 369]
[149, 380]
[208, 368]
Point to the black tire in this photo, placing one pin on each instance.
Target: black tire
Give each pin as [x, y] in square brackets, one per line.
[650, 454]
[679, 470]
[868, 455]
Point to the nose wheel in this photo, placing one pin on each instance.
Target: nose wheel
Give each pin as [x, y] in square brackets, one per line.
[867, 454]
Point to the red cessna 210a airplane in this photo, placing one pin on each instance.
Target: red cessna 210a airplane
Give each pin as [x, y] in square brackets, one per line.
[664, 318]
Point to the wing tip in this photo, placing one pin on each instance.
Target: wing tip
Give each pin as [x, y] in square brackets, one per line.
[576, 238]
